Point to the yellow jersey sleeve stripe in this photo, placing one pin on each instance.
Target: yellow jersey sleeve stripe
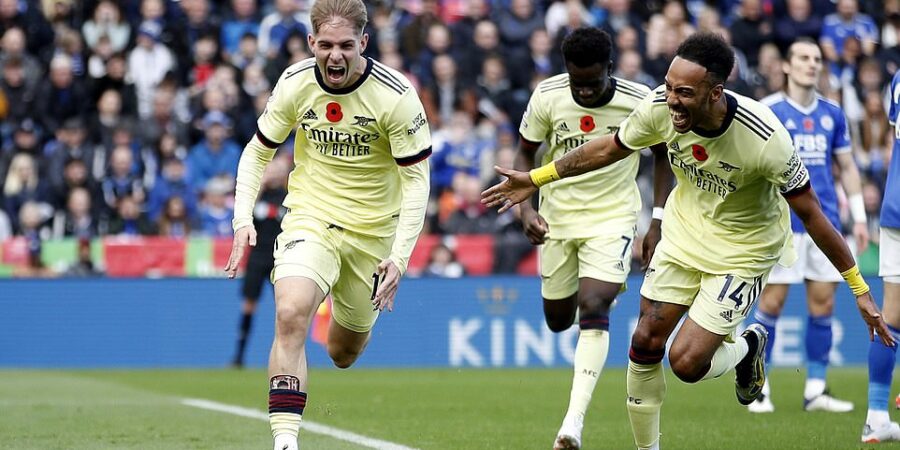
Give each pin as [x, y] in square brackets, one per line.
[414, 159]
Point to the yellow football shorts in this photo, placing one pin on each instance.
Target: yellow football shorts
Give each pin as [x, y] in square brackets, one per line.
[341, 262]
[564, 261]
[718, 303]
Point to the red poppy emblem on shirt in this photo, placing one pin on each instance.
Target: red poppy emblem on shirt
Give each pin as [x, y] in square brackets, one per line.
[808, 124]
[333, 112]
[587, 124]
[699, 152]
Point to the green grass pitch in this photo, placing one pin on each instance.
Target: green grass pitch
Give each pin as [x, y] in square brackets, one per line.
[420, 408]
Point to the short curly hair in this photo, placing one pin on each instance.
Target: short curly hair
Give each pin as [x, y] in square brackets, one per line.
[587, 46]
[710, 51]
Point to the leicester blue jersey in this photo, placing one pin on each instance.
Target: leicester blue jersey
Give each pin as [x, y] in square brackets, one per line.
[818, 131]
[890, 209]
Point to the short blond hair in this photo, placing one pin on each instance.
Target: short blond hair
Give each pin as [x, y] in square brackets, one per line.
[353, 11]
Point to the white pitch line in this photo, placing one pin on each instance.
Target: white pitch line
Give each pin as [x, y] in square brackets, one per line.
[312, 427]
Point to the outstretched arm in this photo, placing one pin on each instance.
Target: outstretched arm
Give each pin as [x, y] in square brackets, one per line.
[519, 186]
[805, 203]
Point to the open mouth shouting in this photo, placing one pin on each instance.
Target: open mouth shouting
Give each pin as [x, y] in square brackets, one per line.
[680, 119]
[335, 74]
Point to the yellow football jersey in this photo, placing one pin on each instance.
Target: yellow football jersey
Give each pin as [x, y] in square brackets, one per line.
[349, 143]
[604, 199]
[726, 214]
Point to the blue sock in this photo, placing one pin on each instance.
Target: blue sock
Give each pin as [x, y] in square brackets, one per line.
[818, 345]
[768, 321]
[881, 368]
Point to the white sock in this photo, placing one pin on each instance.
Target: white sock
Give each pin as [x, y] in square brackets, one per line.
[877, 418]
[765, 390]
[726, 357]
[814, 388]
[655, 446]
[590, 356]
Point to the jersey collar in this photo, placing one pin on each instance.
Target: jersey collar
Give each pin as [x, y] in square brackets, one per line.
[806, 110]
[345, 90]
[729, 116]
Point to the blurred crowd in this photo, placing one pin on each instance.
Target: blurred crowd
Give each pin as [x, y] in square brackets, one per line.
[128, 117]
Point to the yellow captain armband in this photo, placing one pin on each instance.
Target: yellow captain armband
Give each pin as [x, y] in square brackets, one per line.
[544, 174]
[856, 282]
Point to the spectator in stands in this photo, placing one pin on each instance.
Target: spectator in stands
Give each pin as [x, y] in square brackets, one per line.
[470, 216]
[442, 263]
[173, 182]
[121, 181]
[751, 30]
[799, 22]
[628, 67]
[217, 153]
[175, 221]
[107, 118]
[247, 53]
[25, 139]
[19, 91]
[446, 94]
[164, 121]
[148, 63]
[876, 136]
[293, 50]
[617, 16]
[215, 212]
[61, 96]
[563, 12]
[498, 101]
[129, 220]
[13, 45]
[74, 175]
[667, 29]
[243, 22]
[414, 33]
[487, 42]
[872, 197]
[68, 43]
[28, 18]
[22, 185]
[463, 30]
[107, 22]
[70, 143]
[437, 42]
[115, 78]
[537, 64]
[278, 25]
[77, 220]
[847, 22]
[205, 57]
[517, 23]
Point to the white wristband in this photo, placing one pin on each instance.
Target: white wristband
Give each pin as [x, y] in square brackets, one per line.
[657, 213]
[857, 208]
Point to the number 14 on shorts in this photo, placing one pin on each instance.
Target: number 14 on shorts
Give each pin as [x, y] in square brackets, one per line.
[743, 292]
